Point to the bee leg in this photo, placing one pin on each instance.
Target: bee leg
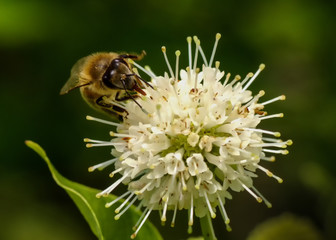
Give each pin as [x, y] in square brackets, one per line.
[101, 102]
[124, 98]
[139, 78]
[136, 57]
[131, 97]
[110, 108]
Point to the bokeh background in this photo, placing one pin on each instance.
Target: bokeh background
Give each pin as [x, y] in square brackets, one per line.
[40, 41]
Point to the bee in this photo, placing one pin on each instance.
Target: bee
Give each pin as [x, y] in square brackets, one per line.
[104, 79]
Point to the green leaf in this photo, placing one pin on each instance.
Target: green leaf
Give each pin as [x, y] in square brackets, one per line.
[100, 219]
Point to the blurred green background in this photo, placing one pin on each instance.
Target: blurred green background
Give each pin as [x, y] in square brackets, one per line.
[41, 40]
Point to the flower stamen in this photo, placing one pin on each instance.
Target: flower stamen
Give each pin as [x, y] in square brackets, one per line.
[197, 43]
[283, 152]
[271, 139]
[142, 222]
[269, 159]
[140, 218]
[281, 98]
[189, 39]
[218, 36]
[213, 215]
[172, 224]
[223, 212]
[108, 190]
[191, 211]
[150, 74]
[163, 48]
[259, 199]
[278, 115]
[163, 218]
[177, 53]
[104, 144]
[121, 135]
[228, 75]
[125, 209]
[102, 165]
[261, 67]
[268, 204]
[115, 171]
[117, 210]
[102, 121]
[203, 56]
[109, 204]
[276, 134]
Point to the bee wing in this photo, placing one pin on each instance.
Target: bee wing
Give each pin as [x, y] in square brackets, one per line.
[75, 79]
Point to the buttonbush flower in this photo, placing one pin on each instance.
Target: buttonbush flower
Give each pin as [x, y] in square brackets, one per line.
[194, 140]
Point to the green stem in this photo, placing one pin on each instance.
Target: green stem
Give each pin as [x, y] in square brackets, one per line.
[207, 228]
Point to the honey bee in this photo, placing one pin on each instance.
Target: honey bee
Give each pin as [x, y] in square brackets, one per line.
[104, 79]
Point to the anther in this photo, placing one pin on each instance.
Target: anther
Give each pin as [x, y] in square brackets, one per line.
[227, 79]
[236, 79]
[262, 67]
[277, 134]
[189, 39]
[284, 152]
[248, 76]
[280, 180]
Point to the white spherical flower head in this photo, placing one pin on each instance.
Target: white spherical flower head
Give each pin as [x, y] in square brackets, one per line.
[194, 139]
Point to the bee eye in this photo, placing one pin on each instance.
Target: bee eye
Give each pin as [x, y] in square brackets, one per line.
[110, 73]
[107, 80]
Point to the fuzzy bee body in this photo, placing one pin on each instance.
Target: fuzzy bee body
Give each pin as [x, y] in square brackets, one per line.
[104, 79]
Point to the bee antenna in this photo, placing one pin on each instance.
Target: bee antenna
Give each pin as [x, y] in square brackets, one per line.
[149, 85]
[123, 83]
[137, 76]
